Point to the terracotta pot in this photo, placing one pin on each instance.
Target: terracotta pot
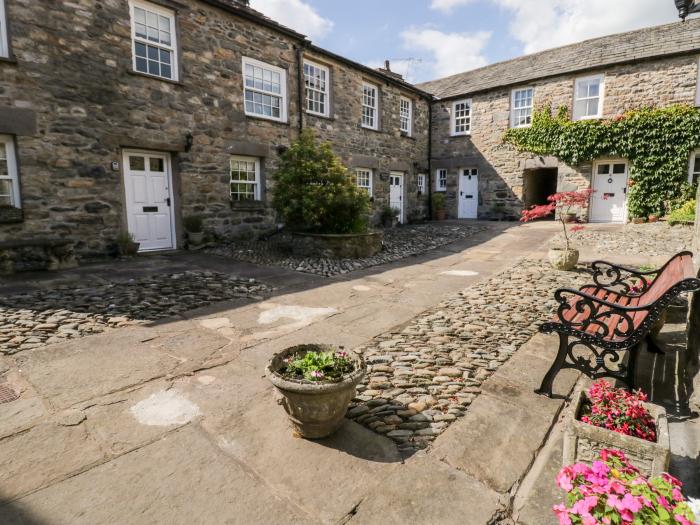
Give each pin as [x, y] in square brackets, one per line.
[440, 215]
[653, 218]
[583, 442]
[562, 259]
[316, 410]
[639, 220]
[130, 248]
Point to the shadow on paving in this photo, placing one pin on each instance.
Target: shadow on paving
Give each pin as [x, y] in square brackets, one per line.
[11, 513]
[38, 308]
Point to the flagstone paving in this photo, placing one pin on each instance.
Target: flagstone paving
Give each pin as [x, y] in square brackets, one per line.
[33, 319]
[399, 243]
[424, 375]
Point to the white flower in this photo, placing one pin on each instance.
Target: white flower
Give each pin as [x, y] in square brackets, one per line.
[694, 505]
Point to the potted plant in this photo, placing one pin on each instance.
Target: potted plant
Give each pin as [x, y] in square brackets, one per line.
[608, 417]
[194, 226]
[127, 244]
[570, 217]
[317, 383]
[439, 210]
[612, 491]
[653, 218]
[638, 220]
[388, 216]
[561, 204]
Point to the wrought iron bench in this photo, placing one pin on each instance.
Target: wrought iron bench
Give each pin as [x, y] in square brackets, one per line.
[613, 316]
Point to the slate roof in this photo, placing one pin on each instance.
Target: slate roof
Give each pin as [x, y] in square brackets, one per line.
[670, 39]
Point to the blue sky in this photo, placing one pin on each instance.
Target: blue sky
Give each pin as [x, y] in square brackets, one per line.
[443, 37]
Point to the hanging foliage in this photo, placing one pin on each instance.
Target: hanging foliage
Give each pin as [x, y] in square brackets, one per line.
[656, 142]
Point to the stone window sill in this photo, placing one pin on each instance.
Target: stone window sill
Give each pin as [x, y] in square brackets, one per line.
[270, 120]
[316, 115]
[9, 60]
[250, 205]
[371, 129]
[153, 77]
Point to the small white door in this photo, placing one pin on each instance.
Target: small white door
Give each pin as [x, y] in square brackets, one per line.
[468, 194]
[149, 211]
[396, 193]
[609, 199]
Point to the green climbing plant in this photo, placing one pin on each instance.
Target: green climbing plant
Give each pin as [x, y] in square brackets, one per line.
[656, 142]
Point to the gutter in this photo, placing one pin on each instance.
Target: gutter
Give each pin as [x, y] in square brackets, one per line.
[300, 85]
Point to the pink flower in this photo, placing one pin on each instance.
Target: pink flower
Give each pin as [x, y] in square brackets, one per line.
[564, 480]
[563, 514]
[317, 374]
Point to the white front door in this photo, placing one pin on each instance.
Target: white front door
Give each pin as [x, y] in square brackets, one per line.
[396, 193]
[149, 210]
[468, 193]
[609, 199]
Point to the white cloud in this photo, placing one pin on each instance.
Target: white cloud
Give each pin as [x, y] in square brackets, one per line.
[542, 24]
[450, 53]
[447, 5]
[296, 14]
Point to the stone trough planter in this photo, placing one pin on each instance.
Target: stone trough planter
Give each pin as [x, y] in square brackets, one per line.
[337, 246]
[582, 442]
[316, 410]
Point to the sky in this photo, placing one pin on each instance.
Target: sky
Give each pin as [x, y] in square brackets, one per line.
[429, 39]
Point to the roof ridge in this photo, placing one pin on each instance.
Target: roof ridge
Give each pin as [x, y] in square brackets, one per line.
[687, 24]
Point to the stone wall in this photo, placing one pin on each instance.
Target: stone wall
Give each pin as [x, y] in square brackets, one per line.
[73, 75]
[662, 82]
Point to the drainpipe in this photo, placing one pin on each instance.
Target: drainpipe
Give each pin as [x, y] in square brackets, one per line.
[300, 86]
[430, 159]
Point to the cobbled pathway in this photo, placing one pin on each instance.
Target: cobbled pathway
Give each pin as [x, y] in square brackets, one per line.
[42, 317]
[653, 239]
[399, 243]
[425, 375]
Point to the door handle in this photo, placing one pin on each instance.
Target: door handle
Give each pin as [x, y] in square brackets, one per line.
[461, 193]
[167, 201]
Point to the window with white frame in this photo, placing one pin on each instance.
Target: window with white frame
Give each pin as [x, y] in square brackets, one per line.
[370, 106]
[521, 107]
[694, 168]
[9, 182]
[462, 117]
[316, 79]
[245, 178]
[420, 183]
[154, 40]
[265, 88]
[588, 97]
[4, 40]
[441, 180]
[406, 115]
[363, 176]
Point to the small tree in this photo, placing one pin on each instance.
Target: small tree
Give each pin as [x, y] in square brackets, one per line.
[314, 192]
[559, 204]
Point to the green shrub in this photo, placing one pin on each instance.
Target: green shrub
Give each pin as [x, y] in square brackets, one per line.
[683, 215]
[194, 223]
[438, 201]
[314, 192]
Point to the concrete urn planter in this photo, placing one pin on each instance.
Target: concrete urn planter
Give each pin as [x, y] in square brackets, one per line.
[583, 442]
[316, 410]
[563, 259]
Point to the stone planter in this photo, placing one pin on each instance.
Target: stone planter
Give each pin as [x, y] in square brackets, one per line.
[316, 410]
[337, 246]
[583, 442]
[563, 259]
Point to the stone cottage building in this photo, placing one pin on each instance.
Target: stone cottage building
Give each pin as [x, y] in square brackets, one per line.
[598, 78]
[130, 115]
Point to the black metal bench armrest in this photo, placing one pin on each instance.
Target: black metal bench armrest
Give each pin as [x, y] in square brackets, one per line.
[591, 311]
[630, 281]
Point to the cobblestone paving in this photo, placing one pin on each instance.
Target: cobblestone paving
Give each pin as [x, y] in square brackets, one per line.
[425, 375]
[634, 239]
[50, 316]
[399, 243]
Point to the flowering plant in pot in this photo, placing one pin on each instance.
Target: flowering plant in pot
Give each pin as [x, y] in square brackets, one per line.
[561, 205]
[608, 417]
[611, 491]
[316, 383]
